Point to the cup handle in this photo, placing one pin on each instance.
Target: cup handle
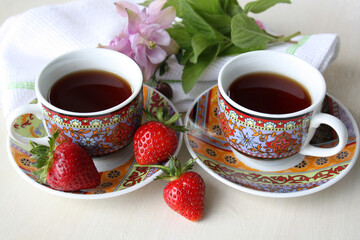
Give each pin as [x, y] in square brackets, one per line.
[337, 125]
[35, 109]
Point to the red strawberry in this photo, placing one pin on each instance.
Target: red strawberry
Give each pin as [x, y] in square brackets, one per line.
[156, 140]
[67, 168]
[185, 192]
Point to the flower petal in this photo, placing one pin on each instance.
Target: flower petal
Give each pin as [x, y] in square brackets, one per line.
[141, 59]
[137, 39]
[147, 29]
[118, 43]
[160, 37]
[140, 54]
[149, 71]
[134, 21]
[123, 5]
[156, 55]
[156, 6]
[165, 17]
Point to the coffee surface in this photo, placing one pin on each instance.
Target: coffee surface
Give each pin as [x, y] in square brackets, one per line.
[269, 93]
[89, 91]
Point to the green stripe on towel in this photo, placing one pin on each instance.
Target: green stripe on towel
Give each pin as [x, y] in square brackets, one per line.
[292, 49]
[23, 85]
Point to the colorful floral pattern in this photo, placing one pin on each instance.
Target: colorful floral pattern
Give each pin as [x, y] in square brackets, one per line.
[117, 181]
[259, 137]
[215, 154]
[98, 135]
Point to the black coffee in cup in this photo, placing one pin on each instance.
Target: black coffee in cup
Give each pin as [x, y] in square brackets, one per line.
[269, 93]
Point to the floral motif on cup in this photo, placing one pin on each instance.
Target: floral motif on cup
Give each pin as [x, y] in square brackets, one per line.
[282, 143]
[57, 119]
[270, 125]
[75, 122]
[95, 122]
[98, 134]
[119, 135]
[259, 123]
[261, 137]
[87, 142]
[115, 118]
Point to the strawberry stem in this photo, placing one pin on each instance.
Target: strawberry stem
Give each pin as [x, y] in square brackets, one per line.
[163, 116]
[174, 171]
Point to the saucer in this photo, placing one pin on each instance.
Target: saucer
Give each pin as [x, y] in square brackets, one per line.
[118, 174]
[206, 142]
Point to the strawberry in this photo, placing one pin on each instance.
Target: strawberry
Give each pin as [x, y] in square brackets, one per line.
[156, 140]
[185, 192]
[67, 168]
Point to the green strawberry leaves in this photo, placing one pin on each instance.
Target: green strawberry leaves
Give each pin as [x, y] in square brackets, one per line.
[44, 156]
[174, 171]
[163, 116]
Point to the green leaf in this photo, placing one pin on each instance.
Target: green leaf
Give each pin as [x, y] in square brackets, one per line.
[231, 51]
[246, 34]
[199, 43]
[220, 22]
[174, 3]
[192, 72]
[209, 6]
[188, 165]
[148, 116]
[230, 7]
[172, 169]
[194, 23]
[180, 35]
[41, 175]
[146, 3]
[184, 55]
[262, 5]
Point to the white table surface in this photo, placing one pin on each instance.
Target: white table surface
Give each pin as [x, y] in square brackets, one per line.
[26, 212]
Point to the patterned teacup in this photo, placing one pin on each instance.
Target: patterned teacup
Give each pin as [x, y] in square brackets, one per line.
[99, 132]
[265, 136]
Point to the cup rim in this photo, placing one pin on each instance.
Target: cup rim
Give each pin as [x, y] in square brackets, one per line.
[314, 103]
[135, 93]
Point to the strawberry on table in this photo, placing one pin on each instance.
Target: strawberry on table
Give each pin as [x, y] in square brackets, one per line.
[185, 192]
[67, 167]
[156, 140]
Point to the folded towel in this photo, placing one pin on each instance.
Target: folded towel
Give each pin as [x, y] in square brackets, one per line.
[30, 40]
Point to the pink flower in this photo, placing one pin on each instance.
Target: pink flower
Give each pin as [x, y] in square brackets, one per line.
[144, 37]
[261, 25]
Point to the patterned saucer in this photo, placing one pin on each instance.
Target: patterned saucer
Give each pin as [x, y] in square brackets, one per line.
[118, 174]
[205, 141]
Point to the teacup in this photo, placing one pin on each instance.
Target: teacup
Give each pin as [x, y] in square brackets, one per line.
[100, 132]
[266, 136]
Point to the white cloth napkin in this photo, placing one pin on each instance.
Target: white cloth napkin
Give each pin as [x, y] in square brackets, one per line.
[30, 40]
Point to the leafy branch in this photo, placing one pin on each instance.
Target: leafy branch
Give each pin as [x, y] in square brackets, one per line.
[212, 28]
